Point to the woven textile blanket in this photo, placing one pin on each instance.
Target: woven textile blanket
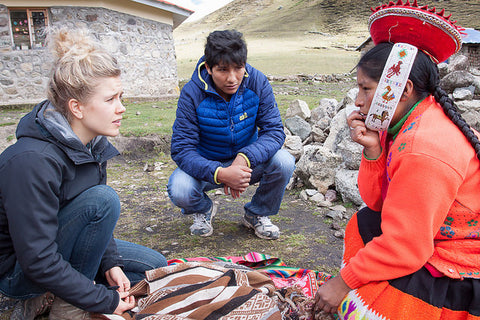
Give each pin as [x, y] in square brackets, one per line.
[282, 275]
[197, 290]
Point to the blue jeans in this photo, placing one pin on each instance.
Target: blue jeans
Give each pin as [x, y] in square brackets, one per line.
[85, 227]
[190, 195]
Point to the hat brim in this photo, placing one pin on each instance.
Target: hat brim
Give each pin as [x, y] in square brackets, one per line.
[423, 29]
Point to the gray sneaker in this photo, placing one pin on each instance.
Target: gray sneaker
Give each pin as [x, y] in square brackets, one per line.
[62, 310]
[202, 222]
[262, 225]
[30, 308]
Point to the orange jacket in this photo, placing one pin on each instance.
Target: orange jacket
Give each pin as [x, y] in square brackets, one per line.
[431, 209]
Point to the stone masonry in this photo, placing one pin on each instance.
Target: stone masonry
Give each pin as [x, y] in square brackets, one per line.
[144, 48]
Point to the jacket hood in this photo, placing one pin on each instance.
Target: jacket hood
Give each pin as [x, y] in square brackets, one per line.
[45, 123]
[201, 77]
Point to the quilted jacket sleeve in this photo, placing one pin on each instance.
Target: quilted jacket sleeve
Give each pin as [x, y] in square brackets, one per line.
[186, 136]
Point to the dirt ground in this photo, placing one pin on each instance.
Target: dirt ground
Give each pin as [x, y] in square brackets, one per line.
[148, 217]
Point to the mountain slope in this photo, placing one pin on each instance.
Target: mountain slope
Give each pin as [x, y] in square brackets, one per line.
[271, 18]
[287, 37]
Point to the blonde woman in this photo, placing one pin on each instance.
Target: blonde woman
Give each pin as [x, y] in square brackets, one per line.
[57, 215]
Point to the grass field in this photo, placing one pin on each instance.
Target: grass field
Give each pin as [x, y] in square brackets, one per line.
[157, 117]
[308, 54]
[287, 37]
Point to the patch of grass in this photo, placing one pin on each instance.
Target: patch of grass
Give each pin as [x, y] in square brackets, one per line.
[283, 205]
[310, 92]
[10, 137]
[348, 205]
[329, 269]
[295, 240]
[317, 213]
[227, 227]
[278, 218]
[307, 61]
[7, 124]
[321, 239]
[142, 119]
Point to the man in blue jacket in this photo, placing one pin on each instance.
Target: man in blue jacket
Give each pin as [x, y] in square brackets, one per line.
[228, 133]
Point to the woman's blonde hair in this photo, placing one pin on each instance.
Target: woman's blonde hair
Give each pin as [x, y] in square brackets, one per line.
[78, 64]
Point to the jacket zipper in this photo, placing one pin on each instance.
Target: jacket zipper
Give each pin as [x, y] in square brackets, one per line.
[232, 123]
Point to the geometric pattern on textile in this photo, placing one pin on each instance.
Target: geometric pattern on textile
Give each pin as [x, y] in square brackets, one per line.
[204, 291]
[275, 268]
[254, 286]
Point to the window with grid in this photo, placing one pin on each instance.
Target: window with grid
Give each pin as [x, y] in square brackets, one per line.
[28, 28]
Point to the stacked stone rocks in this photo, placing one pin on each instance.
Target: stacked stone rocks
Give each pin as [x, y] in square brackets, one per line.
[328, 159]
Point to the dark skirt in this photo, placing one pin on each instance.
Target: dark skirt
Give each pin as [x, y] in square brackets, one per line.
[416, 296]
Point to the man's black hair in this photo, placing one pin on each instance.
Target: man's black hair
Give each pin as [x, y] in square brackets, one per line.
[227, 46]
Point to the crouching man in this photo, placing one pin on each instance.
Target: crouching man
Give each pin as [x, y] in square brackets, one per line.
[228, 134]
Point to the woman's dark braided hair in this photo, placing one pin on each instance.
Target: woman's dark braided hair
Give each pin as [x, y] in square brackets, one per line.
[425, 78]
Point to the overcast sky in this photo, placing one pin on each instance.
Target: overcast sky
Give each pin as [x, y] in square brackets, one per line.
[201, 7]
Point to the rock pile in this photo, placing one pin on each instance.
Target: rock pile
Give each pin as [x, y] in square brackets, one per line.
[327, 158]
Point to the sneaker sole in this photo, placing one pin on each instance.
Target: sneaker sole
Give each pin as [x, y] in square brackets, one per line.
[214, 212]
[250, 226]
[203, 235]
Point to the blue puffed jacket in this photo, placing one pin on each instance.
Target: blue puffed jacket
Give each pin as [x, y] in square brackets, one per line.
[208, 129]
[42, 172]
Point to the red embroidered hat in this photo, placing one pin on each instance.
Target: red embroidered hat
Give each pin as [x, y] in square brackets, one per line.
[426, 29]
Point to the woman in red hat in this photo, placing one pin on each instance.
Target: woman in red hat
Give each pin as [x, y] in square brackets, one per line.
[413, 252]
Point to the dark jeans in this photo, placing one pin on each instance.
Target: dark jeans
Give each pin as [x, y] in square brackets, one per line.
[190, 195]
[85, 228]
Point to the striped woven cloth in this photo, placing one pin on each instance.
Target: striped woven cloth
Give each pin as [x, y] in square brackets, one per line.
[203, 291]
[250, 287]
[281, 274]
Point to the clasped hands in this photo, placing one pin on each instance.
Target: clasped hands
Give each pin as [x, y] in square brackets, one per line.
[236, 177]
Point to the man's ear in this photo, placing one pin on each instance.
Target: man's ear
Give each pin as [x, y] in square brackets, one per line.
[209, 70]
[408, 91]
[75, 108]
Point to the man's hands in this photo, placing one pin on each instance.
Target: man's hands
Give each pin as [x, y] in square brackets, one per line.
[236, 177]
[116, 277]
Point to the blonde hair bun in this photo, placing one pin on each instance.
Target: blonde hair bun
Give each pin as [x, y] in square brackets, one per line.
[79, 62]
[64, 42]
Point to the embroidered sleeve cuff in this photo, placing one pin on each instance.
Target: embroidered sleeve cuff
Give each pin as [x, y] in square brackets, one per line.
[374, 164]
[215, 175]
[365, 156]
[246, 159]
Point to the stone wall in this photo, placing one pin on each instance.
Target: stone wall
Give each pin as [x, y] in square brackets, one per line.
[144, 48]
[472, 51]
[4, 28]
